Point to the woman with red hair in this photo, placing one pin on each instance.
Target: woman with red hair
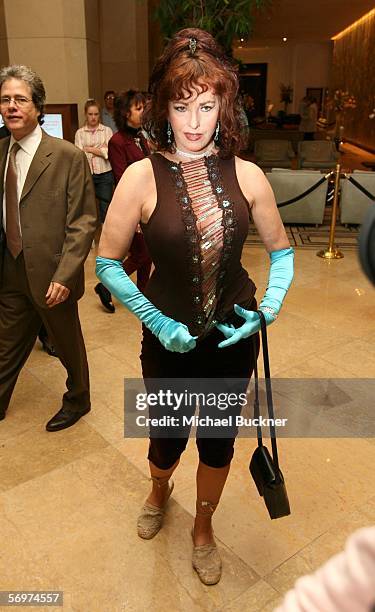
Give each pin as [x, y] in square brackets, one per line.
[193, 198]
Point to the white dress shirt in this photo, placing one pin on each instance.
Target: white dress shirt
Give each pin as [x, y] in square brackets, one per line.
[24, 157]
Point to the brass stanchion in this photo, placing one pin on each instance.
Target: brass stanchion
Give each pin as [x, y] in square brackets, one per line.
[332, 252]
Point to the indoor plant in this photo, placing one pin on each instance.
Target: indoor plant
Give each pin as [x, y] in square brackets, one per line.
[226, 20]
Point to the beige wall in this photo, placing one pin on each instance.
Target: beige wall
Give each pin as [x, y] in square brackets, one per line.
[312, 67]
[4, 55]
[124, 44]
[51, 38]
[155, 38]
[79, 47]
[94, 77]
[300, 65]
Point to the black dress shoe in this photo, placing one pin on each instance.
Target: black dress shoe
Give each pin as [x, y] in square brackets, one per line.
[65, 418]
[105, 297]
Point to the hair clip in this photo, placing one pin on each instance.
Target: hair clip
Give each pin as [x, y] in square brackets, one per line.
[192, 45]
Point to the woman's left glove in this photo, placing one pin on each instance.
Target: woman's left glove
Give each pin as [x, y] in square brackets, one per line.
[279, 281]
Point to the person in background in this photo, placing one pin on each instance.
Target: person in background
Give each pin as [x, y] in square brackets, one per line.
[308, 109]
[125, 147]
[345, 583]
[128, 144]
[314, 112]
[47, 222]
[42, 335]
[93, 139]
[107, 112]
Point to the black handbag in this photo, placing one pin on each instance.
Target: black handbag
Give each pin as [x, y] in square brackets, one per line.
[263, 467]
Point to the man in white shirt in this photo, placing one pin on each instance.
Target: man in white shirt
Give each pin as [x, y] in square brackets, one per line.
[47, 222]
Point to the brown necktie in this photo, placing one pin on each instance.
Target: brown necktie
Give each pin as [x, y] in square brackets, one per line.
[13, 232]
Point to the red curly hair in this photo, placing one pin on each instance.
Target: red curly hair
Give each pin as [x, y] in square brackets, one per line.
[179, 73]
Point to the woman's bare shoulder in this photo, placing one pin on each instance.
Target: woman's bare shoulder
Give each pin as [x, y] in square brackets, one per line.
[251, 179]
[138, 176]
[244, 167]
[140, 170]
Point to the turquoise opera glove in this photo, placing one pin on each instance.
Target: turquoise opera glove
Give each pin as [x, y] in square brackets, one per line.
[279, 281]
[173, 336]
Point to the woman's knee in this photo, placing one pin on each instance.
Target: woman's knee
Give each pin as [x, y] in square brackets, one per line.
[164, 452]
[216, 453]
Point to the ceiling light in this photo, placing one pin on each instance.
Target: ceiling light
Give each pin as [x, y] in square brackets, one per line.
[284, 39]
[242, 39]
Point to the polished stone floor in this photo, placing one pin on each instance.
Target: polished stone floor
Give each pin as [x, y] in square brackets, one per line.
[69, 500]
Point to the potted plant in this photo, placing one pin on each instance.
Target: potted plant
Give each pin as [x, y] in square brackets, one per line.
[226, 20]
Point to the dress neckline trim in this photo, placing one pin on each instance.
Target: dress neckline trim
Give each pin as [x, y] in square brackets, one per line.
[190, 161]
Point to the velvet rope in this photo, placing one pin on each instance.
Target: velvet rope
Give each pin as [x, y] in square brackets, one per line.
[361, 188]
[305, 193]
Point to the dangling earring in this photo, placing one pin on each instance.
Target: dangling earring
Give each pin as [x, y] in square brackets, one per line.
[169, 133]
[217, 133]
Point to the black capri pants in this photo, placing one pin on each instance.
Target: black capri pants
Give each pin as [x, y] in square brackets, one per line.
[206, 361]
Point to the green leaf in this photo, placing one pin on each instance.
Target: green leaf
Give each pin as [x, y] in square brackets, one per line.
[225, 19]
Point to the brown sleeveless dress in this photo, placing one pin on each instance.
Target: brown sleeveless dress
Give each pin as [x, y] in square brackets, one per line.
[195, 238]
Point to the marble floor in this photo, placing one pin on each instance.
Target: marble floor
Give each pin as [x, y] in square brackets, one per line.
[69, 500]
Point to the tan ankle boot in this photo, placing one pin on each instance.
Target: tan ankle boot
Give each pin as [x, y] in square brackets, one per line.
[206, 558]
[151, 517]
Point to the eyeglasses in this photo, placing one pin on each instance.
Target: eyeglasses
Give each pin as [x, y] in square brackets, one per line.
[19, 101]
[110, 97]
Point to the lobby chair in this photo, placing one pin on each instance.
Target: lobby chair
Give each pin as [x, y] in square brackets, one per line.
[317, 154]
[269, 153]
[353, 203]
[288, 185]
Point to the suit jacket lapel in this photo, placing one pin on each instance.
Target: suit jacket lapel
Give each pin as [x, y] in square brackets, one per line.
[38, 165]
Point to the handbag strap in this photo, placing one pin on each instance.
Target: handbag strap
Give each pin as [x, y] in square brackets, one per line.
[256, 386]
[267, 376]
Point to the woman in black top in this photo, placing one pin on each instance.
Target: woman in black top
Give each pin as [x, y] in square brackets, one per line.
[192, 199]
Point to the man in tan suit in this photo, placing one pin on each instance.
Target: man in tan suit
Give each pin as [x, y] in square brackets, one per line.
[47, 221]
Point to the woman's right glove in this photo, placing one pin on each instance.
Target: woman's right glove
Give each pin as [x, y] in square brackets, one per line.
[174, 336]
